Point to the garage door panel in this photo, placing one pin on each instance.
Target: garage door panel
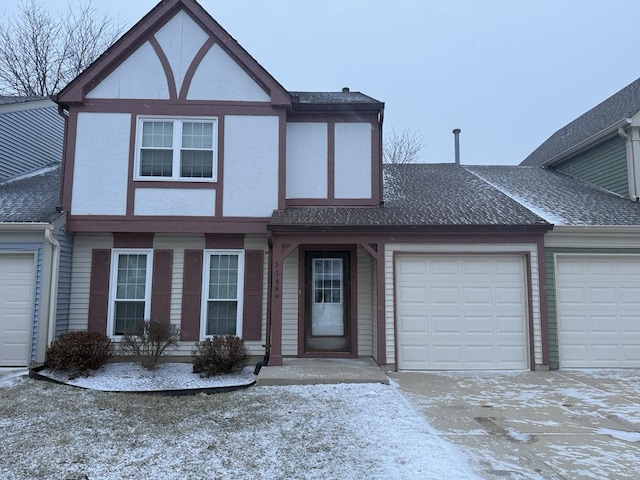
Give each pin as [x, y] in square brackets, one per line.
[476, 295]
[629, 296]
[445, 325]
[414, 324]
[475, 312]
[413, 295]
[602, 329]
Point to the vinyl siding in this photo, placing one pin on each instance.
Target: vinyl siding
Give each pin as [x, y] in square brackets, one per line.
[552, 309]
[462, 249]
[259, 242]
[366, 317]
[64, 281]
[31, 139]
[604, 165]
[290, 305]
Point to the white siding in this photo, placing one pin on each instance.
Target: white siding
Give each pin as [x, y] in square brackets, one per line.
[366, 316]
[461, 248]
[219, 77]
[81, 276]
[307, 160]
[290, 305]
[353, 160]
[101, 164]
[140, 76]
[180, 39]
[250, 166]
[177, 202]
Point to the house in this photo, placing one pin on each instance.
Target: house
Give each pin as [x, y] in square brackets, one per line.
[33, 244]
[201, 192]
[588, 189]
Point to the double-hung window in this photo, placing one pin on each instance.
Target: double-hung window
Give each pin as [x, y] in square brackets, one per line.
[222, 293]
[182, 149]
[130, 289]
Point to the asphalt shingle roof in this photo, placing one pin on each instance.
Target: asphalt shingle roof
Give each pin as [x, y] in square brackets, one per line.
[304, 100]
[419, 196]
[559, 198]
[31, 198]
[619, 106]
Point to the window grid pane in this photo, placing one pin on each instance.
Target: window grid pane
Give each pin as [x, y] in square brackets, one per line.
[157, 134]
[222, 304]
[131, 277]
[196, 164]
[127, 315]
[156, 163]
[327, 280]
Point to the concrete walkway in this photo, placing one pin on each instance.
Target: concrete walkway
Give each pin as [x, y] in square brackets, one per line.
[535, 425]
[309, 371]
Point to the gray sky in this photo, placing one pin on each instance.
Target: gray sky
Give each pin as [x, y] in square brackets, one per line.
[507, 72]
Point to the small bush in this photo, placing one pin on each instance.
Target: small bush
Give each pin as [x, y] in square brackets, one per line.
[79, 352]
[220, 354]
[148, 341]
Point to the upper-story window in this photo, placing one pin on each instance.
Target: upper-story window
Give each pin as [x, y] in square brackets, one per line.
[182, 149]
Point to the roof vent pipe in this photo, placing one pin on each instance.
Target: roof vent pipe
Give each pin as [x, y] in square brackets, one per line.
[345, 89]
[456, 134]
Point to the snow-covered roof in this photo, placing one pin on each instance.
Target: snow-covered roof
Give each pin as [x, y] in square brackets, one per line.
[559, 198]
[422, 196]
[622, 105]
[32, 197]
[346, 98]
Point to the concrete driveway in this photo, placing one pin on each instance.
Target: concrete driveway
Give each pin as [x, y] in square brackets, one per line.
[566, 424]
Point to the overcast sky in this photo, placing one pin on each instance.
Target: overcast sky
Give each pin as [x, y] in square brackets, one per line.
[507, 72]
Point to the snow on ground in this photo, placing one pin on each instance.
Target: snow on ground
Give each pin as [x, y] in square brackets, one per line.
[126, 377]
[346, 431]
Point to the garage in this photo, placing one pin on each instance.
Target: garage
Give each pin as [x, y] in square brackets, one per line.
[598, 310]
[16, 308]
[461, 312]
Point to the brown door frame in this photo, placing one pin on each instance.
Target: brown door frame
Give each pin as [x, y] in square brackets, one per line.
[352, 287]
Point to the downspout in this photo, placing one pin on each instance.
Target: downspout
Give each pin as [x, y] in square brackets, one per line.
[267, 346]
[53, 285]
[631, 164]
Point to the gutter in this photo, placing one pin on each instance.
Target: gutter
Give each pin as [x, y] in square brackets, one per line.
[53, 285]
[29, 226]
[609, 131]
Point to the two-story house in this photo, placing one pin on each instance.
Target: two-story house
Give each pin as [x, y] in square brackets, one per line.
[203, 193]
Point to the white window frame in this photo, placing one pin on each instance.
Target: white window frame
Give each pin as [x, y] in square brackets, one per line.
[113, 283]
[177, 148]
[205, 289]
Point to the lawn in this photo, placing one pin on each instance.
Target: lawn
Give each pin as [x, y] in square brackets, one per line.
[295, 432]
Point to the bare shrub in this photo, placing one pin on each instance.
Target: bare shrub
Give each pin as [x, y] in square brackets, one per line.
[79, 352]
[220, 354]
[148, 341]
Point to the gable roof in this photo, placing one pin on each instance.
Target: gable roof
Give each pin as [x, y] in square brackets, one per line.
[600, 122]
[147, 26]
[32, 197]
[559, 198]
[419, 197]
[31, 135]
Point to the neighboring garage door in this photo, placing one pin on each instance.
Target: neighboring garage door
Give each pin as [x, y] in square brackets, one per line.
[16, 307]
[461, 312]
[598, 310]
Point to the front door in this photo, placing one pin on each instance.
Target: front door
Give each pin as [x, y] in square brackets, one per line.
[327, 326]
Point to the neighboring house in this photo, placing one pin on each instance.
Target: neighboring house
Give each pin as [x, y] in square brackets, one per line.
[203, 193]
[588, 189]
[33, 244]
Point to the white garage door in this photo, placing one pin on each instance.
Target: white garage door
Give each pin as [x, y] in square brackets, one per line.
[598, 308]
[461, 312]
[16, 306]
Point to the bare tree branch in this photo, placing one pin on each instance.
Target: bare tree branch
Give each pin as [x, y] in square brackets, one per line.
[402, 147]
[41, 53]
